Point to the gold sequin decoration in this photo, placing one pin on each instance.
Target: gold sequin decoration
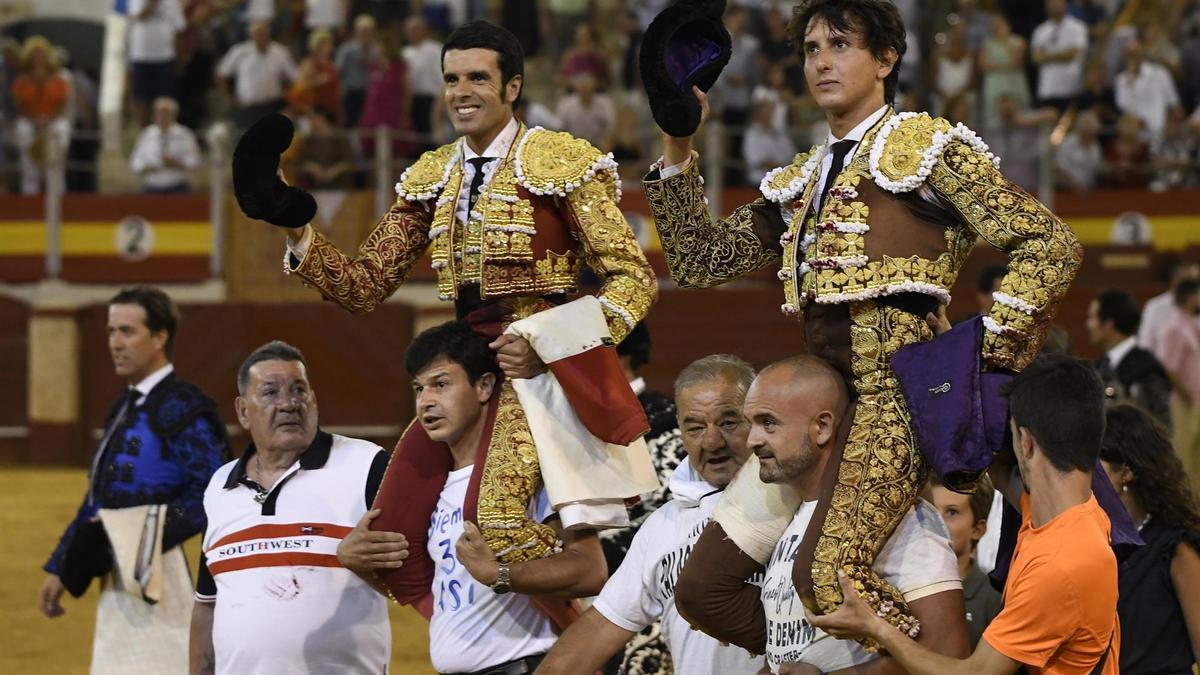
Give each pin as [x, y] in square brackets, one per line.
[553, 162]
[882, 469]
[613, 253]
[511, 475]
[383, 261]
[702, 252]
[1044, 254]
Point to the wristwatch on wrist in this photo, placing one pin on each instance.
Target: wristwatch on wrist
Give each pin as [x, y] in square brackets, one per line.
[502, 584]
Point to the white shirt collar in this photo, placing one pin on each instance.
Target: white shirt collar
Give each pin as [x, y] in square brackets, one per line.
[499, 145]
[150, 381]
[856, 134]
[1121, 350]
[638, 385]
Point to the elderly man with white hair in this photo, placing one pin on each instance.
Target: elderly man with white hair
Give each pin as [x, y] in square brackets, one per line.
[165, 152]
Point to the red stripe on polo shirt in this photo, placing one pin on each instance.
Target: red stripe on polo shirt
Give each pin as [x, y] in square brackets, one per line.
[275, 531]
[273, 560]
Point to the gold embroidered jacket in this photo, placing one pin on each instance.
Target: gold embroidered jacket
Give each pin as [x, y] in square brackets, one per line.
[551, 207]
[902, 217]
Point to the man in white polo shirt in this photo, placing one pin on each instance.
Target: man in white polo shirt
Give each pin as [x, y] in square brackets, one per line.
[271, 596]
[485, 618]
[795, 408]
[261, 70]
[1059, 47]
[709, 394]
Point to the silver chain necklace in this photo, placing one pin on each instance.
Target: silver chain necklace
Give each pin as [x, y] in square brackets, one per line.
[261, 493]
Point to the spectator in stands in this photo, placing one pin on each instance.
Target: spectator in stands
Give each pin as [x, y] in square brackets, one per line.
[629, 43]
[767, 143]
[1059, 47]
[166, 152]
[325, 160]
[626, 144]
[325, 15]
[1189, 65]
[1159, 583]
[40, 94]
[1092, 15]
[254, 11]
[1158, 47]
[587, 113]
[261, 70]
[534, 114]
[1160, 309]
[1127, 157]
[958, 110]
[564, 16]
[1176, 155]
[423, 54]
[353, 63]
[732, 90]
[1079, 159]
[583, 57]
[1097, 95]
[153, 25]
[966, 518]
[1015, 137]
[978, 24]
[387, 101]
[1145, 90]
[317, 83]
[198, 48]
[987, 284]
[953, 64]
[1129, 372]
[1060, 601]
[1002, 64]
[1180, 355]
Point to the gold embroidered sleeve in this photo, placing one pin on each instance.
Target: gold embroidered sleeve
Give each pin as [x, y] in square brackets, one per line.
[383, 261]
[1044, 254]
[613, 253]
[703, 252]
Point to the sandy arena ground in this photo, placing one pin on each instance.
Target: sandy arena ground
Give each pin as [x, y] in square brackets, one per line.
[35, 506]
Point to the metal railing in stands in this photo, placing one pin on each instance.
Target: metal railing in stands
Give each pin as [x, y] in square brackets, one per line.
[379, 173]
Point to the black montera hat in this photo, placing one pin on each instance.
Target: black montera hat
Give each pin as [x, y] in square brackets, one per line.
[685, 45]
[256, 184]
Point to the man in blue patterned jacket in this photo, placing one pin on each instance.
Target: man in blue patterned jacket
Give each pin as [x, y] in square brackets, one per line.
[162, 441]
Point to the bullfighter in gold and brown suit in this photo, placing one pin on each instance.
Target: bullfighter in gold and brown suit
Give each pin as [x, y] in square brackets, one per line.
[869, 232]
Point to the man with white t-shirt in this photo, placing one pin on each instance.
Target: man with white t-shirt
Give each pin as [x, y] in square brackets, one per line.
[1059, 47]
[795, 408]
[153, 25]
[261, 70]
[483, 616]
[709, 394]
[1146, 90]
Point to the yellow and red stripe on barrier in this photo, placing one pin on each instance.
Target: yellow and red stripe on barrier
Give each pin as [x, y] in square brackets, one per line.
[109, 239]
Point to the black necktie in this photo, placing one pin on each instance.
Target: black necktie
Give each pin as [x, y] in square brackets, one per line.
[476, 182]
[127, 406]
[839, 151]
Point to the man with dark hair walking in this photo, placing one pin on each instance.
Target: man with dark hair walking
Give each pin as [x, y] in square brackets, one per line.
[162, 441]
[1060, 601]
[870, 231]
[510, 216]
[1129, 372]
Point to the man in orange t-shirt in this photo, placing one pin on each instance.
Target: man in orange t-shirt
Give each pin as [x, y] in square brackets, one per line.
[1060, 603]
